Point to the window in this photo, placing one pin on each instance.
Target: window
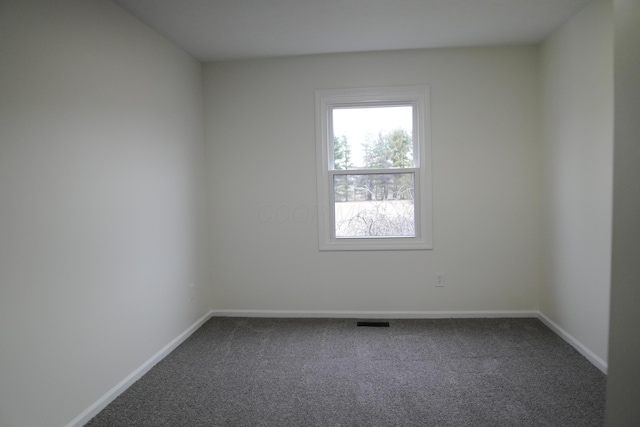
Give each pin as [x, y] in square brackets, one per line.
[373, 168]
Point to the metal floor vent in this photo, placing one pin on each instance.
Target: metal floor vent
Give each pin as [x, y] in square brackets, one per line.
[374, 324]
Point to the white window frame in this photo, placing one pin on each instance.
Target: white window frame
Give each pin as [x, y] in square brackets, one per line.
[418, 97]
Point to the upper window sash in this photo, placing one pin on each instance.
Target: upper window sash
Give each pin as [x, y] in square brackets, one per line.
[415, 141]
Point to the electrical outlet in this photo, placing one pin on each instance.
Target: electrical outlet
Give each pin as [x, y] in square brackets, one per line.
[439, 280]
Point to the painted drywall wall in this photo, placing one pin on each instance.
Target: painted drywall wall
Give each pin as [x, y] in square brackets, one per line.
[486, 174]
[623, 385]
[577, 134]
[101, 203]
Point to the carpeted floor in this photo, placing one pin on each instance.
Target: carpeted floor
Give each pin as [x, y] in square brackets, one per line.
[329, 372]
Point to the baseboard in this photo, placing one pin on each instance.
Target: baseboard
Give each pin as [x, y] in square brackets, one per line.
[102, 403]
[591, 356]
[373, 314]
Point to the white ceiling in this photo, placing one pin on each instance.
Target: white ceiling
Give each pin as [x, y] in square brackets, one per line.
[233, 29]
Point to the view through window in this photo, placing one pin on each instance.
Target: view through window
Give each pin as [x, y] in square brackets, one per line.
[371, 196]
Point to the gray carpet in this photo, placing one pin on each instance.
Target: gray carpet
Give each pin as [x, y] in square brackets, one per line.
[328, 372]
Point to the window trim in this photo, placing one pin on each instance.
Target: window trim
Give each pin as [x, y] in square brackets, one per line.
[326, 100]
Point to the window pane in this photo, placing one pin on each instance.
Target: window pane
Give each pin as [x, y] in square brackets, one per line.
[374, 205]
[372, 137]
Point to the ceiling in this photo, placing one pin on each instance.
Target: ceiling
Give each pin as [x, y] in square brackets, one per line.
[213, 30]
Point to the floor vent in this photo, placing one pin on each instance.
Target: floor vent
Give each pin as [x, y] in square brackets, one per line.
[374, 324]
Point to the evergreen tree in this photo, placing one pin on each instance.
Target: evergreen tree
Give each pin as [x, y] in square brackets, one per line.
[341, 153]
[400, 148]
[393, 149]
[341, 161]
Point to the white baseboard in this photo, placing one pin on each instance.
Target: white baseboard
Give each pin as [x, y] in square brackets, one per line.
[373, 314]
[582, 349]
[108, 397]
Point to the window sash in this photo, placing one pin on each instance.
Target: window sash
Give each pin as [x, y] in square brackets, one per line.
[415, 129]
[398, 171]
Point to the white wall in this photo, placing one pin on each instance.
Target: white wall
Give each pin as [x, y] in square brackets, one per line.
[623, 385]
[101, 203]
[486, 174]
[577, 135]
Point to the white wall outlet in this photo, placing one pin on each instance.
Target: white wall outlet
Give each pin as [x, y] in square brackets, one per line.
[439, 280]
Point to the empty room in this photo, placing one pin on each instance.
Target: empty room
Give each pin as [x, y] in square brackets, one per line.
[338, 212]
